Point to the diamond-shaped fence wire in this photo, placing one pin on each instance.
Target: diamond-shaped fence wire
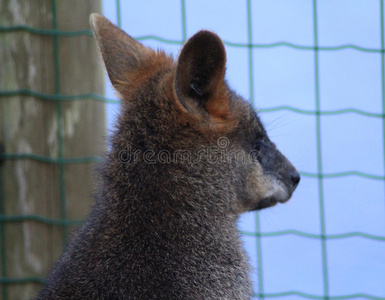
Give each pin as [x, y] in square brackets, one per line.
[60, 161]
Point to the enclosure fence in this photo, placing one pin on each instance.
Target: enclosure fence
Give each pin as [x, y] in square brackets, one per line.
[60, 161]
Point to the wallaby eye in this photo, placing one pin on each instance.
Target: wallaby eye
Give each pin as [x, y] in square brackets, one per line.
[256, 152]
[259, 141]
[258, 145]
[263, 143]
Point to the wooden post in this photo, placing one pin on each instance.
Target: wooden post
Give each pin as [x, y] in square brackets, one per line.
[30, 124]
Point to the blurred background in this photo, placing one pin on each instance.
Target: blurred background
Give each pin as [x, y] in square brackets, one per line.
[315, 71]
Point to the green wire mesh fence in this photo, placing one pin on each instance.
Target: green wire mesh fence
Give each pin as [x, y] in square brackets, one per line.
[60, 161]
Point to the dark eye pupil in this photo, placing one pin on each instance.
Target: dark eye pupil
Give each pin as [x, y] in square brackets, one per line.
[258, 145]
[263, 144]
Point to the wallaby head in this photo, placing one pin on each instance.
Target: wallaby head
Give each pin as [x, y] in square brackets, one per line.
[187, 106]
[188, 156]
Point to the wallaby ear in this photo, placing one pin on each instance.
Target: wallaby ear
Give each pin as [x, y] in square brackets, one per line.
[121, 53]
[200, 72]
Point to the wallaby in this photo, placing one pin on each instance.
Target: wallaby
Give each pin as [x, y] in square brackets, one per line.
[188, 156]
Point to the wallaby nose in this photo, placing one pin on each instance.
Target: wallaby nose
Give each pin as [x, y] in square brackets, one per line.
[295, 178]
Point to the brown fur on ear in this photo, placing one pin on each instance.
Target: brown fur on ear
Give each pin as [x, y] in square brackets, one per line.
[200, 75]
[121, 53]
